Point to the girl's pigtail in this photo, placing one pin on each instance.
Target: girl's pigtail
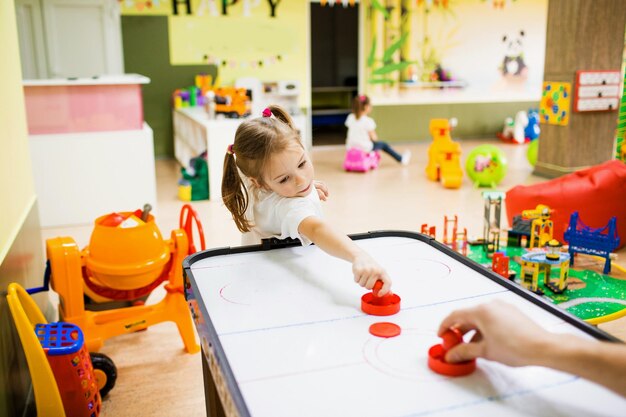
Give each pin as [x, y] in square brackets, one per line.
[234, 193]
[282, 115]
[358, 105]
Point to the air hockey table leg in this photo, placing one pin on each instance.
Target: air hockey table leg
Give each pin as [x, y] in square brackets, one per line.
[214, 406]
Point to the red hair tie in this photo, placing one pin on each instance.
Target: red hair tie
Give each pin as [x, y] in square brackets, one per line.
[267, 112]
[362, 98]
[229, 150]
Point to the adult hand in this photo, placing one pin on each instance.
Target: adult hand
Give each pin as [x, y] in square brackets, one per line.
[503, 334]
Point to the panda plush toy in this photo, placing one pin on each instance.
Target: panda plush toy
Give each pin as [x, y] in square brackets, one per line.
[513, 63]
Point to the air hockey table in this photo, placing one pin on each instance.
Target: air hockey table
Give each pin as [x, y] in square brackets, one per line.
[282, 334]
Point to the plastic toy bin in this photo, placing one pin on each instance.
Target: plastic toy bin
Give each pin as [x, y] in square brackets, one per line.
[71, 365]
[84, 105]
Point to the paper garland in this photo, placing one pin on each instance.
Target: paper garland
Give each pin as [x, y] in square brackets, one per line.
[247, 63]
[498, 4]
[140, 4]
[331, 3]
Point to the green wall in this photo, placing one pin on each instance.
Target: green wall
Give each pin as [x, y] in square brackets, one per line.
[146, 52]
[409, 123]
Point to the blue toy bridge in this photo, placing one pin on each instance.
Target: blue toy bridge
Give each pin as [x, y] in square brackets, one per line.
[592, 241]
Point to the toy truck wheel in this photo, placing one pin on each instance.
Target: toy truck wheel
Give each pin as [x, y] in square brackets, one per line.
[105, 372]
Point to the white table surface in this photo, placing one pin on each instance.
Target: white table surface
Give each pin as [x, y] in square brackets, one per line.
[290, 325]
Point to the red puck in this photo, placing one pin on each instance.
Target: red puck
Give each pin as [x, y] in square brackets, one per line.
[385, 329]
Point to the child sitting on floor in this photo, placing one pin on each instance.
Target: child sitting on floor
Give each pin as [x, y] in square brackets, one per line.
[362, 131]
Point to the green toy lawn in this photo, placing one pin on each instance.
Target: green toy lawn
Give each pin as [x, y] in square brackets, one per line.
[589, 295]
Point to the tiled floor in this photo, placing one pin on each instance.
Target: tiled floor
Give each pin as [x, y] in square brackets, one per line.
[156, 377]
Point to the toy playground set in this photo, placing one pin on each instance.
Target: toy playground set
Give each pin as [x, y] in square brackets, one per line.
[127, 258]
[568, 262]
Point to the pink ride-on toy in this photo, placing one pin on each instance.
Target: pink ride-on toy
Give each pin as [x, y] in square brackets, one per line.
[361, 161]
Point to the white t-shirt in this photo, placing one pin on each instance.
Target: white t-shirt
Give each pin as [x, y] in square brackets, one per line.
[276, 216]
[358, 132]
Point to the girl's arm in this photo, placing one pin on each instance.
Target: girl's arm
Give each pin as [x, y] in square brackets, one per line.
[373, 136]
[366, 271]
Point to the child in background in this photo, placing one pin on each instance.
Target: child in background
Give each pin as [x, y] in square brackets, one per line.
[269, 189]
[362, 131]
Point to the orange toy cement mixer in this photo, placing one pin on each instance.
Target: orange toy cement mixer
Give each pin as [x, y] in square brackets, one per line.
[126, 259]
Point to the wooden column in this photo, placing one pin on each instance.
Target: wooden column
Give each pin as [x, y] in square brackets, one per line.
[581, 35]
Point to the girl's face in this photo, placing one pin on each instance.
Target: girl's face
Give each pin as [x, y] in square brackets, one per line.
[289, 173]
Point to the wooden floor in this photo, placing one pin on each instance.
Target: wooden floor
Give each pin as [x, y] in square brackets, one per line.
[157, 378]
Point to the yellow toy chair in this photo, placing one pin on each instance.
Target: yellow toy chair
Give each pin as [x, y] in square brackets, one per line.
[25, 315]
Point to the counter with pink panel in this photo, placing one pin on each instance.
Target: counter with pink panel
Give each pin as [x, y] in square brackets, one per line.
[95, 104]
[91, 151]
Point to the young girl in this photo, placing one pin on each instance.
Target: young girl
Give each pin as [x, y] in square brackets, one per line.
[362, 131]
[268, 187]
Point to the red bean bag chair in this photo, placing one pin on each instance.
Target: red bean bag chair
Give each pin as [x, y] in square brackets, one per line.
[597, 193]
